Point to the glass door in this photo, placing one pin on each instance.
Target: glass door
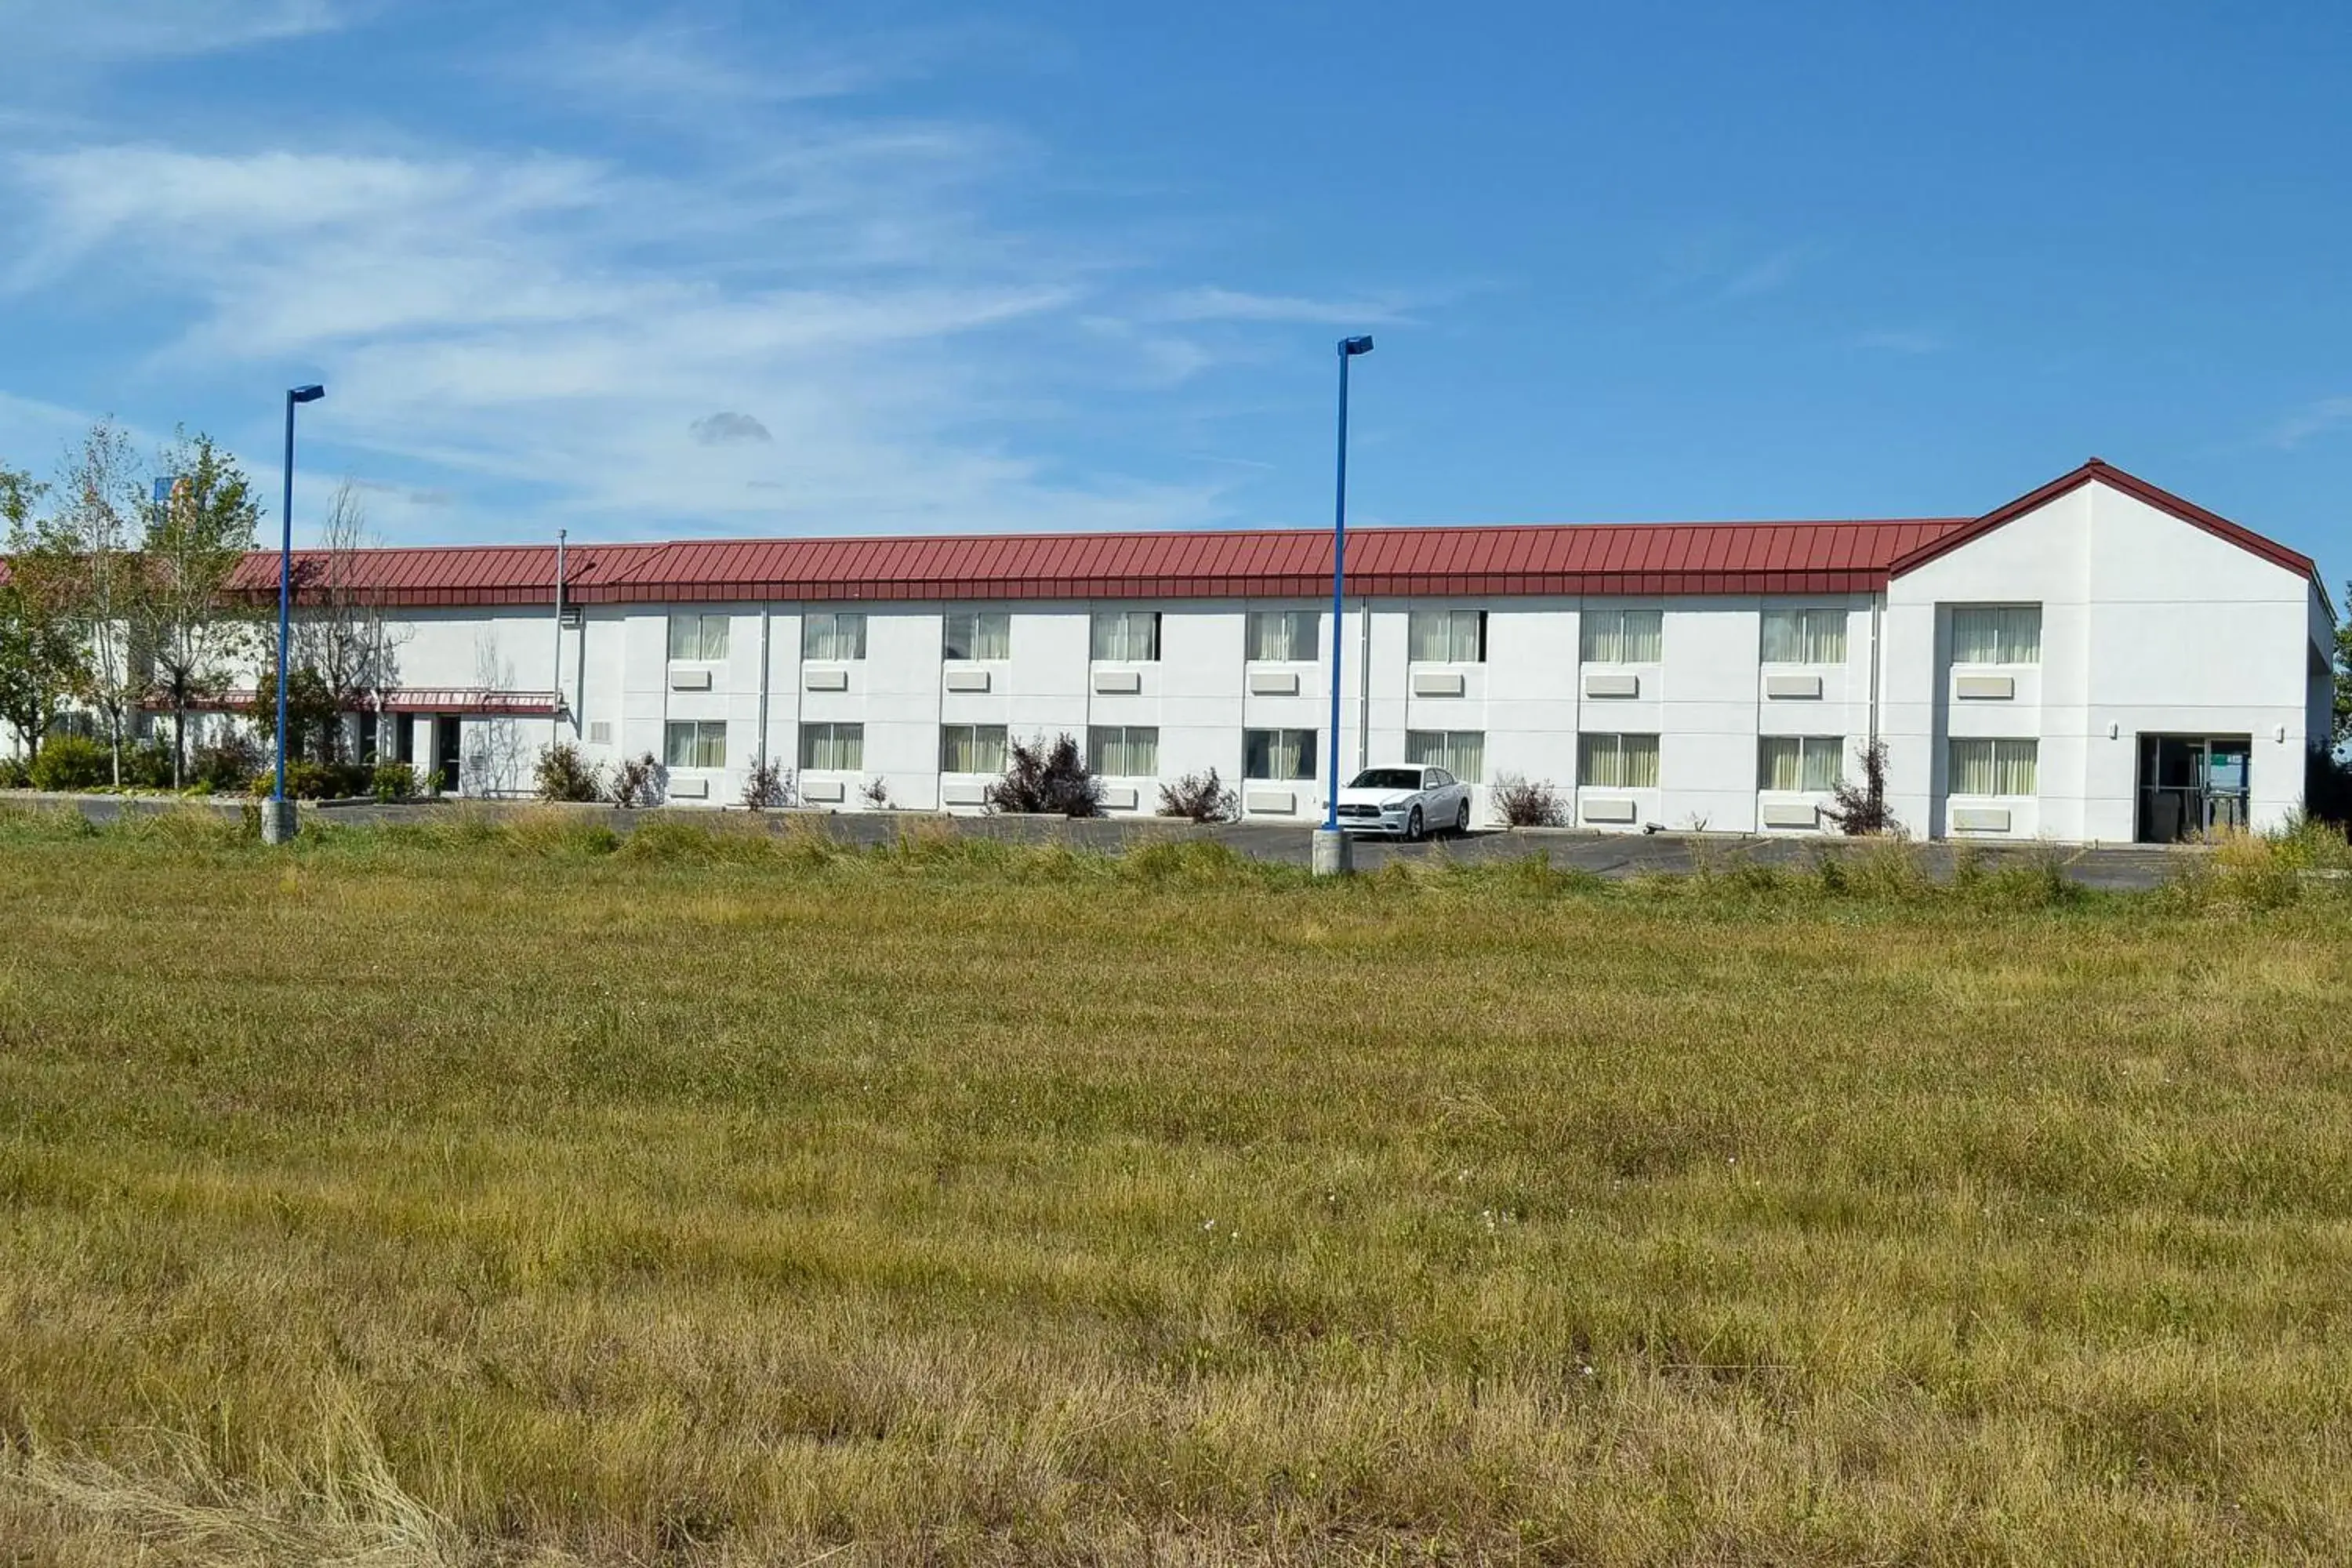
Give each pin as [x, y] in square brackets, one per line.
[2192, 785]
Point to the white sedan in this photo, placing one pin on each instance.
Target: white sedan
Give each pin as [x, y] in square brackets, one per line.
[1409, 802]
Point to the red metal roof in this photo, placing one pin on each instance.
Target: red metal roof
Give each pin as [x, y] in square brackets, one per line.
[1497, 560]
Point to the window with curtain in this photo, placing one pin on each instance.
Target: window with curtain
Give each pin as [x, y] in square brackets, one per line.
[1280, 635]
[1461, 752]
[1447, 637]
[1613, 635]
[1997, 634]
[695, 636]
[695, 743]
[1800, 762]
[978, 634]
[1130, 637]
[1278, 754]
[1123, 751]
[972, 748]
[1993, 767]
[833, 633]
[1804, 636]
[1617, 762]
[832, 748]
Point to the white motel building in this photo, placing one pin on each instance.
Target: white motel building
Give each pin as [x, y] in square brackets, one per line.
[2094, 660]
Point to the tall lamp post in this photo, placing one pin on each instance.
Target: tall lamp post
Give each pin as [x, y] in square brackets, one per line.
[1331, 856]
[278, 816]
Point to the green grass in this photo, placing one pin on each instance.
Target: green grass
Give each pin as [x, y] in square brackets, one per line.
[506, 1192]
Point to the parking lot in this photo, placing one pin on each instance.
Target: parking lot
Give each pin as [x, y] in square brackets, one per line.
[2120, 867]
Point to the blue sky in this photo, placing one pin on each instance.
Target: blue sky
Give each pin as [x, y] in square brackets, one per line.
[759, 268]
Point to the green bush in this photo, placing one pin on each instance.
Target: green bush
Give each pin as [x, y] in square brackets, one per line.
[306, 780]
[72, 762]
[225, 766]
[15, 772]
[392, 781]
[563, 774]
[148, 765]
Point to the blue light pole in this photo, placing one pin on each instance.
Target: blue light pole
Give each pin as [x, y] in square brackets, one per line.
[1332, 845]
[277, 823]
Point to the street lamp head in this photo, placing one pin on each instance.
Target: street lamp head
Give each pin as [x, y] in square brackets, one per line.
[1362, 345]
[306, 394]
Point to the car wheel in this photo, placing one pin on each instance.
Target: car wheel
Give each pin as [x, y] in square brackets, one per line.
[1461, 820]
[1412, 826]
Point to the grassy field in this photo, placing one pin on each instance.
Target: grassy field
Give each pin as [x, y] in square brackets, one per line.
[507, 1194]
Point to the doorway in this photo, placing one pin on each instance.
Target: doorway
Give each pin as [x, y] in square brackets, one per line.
[2192, 785]
[446, 754]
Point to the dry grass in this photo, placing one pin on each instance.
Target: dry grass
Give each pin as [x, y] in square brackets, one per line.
[505, 1194]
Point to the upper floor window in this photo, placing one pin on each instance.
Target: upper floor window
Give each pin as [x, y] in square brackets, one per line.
[1278, 754]
[1127, 636]
[1461, 752]
[833, 633]
[1804, 636]
[1614, 634]
[695, 743]
[978, 634]
[1124, 751]
[1447, 637]
[1284, 634]
[694, 636]
[1997, 634]
[1800, 762]
[1617, 762]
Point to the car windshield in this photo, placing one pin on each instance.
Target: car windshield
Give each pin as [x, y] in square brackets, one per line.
[1387, 778]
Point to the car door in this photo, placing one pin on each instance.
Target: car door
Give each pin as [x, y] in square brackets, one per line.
[1436, 807]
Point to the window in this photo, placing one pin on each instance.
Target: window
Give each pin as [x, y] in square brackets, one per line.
[1128, 635]
[698, 636]
[832, 748]
[1278, 754]
[978, 634]
[1447, 637]
[972, 748]
[1284, 634]
[1804, 636]
[1612, 635]
[1800, 762]
[1997, 634]
[833, 633]
[1461, 752]
[695, 743]
[1124, 751]
[1993, 767]
[1617, 762]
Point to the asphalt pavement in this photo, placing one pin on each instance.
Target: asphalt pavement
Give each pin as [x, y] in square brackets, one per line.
[2118, 866]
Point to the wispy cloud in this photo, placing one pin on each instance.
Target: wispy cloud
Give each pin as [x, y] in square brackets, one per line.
[1765, 274]
[2323, 418]
[1216, 304]
[150, 30]
[1902, 341]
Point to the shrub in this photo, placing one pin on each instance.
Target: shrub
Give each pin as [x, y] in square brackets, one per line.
[148, 765]
[1861, 809]
[1049, 779]
[227, 765]
[15, 772]
[637, 780]
[392, 781]
[768, 786]
[563, 774]
[1203, 797]
[876, 794]
[72, 762]
[1529, 803]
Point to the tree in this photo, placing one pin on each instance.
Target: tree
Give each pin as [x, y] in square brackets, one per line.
[194, 539]
[40, 662]
[81, 562]
[1861, 809]
[2339, 734]
[339, 659]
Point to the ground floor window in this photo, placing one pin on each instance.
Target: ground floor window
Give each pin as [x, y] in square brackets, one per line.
[832, 748]
[695, 743]
[1124, 751]
[1461, 752]
[1275, 755]
[1800, 762]
[1617, 762]
[1993, 767]
[972, 748]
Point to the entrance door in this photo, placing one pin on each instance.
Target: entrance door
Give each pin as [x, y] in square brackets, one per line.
[2191, 786]
[445, 753]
